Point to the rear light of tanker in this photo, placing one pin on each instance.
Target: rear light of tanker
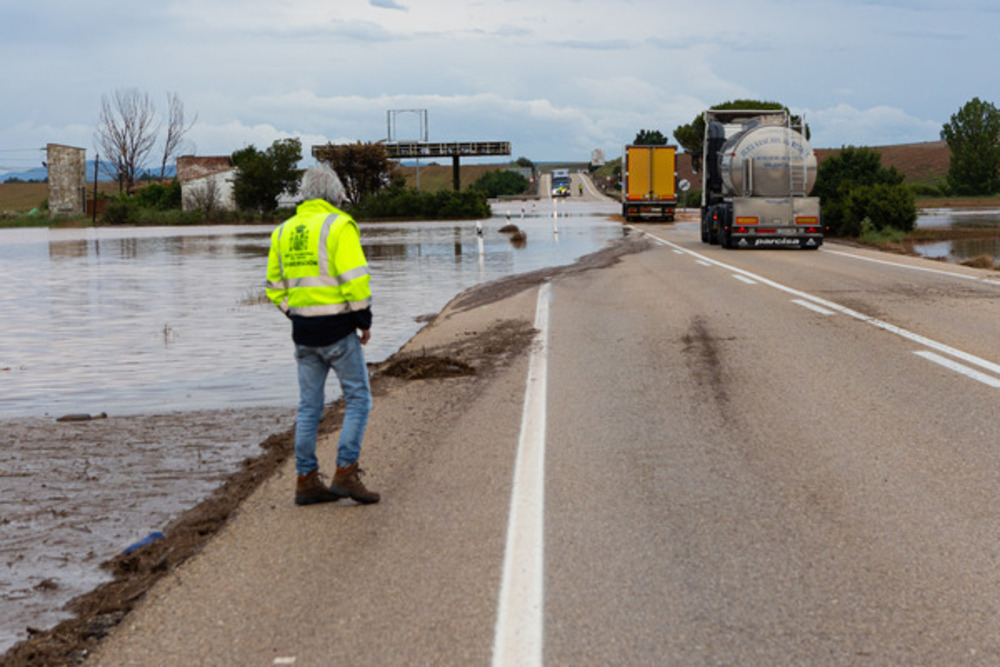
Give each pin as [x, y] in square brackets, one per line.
[811, 220]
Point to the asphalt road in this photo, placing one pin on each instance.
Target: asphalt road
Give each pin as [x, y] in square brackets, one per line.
[748, 457]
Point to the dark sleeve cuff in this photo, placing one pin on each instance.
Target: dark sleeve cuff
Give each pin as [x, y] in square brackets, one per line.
[363, 318]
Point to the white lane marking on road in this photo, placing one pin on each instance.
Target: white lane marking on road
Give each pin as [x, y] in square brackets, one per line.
[959, 368]
[517, 639]
[703, 263]
[925, 269]
[813, 307]
[744, 279]
[843, 310]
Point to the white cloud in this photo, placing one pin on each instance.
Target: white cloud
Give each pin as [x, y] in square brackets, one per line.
[558, 79]
[844, 125]
[387, 4]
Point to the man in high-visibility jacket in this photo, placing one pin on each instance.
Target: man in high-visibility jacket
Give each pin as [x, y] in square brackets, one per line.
[318, 276]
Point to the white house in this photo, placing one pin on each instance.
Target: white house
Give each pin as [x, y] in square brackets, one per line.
[206, 182]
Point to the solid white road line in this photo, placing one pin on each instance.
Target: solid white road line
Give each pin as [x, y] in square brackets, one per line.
[959, 368]
[843, 310]
[517, 639]
[910, 267]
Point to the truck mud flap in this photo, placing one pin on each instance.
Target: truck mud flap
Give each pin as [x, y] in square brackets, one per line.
[777, 242]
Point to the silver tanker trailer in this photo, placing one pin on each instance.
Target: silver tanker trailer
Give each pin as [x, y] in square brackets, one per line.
[757, 173]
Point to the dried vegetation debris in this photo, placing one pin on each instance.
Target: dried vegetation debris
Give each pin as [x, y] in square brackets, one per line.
[427, 367]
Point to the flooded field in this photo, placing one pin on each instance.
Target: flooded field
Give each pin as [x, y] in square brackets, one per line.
[145, 324]
[958, 251]
[129, 321]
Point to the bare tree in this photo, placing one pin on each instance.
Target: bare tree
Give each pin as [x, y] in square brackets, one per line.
[176, 129]
[205, 197]
[126, 133]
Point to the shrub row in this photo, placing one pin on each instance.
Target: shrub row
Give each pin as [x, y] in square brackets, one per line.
[398, 202]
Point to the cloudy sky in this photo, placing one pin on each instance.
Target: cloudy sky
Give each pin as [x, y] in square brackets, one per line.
[556, 78]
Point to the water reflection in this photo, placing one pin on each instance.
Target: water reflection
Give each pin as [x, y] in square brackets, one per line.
[952, 217]
[131, 321]
[958, 251]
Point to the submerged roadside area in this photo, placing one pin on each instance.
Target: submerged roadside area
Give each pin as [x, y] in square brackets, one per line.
[479, 332]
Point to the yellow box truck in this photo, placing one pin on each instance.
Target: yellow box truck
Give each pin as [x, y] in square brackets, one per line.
[649, 183]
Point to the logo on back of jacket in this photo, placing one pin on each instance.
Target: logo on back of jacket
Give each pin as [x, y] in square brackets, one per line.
[299, 252]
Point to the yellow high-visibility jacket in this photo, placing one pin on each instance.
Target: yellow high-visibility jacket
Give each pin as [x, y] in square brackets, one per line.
[316, 266]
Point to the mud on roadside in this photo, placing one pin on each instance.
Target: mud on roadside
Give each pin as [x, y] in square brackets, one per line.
[471, 358]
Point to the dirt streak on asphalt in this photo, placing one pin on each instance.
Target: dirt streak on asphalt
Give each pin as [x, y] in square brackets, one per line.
[131, 576]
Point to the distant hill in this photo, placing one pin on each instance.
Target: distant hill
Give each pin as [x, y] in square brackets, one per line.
[925, 162]
[41, 173]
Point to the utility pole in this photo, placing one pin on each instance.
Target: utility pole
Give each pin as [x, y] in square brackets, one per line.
[97, 161]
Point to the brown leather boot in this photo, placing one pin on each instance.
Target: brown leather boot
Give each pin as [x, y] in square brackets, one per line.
[347, 482]
[309, 489]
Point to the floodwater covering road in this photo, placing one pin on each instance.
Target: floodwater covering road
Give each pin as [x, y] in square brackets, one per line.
[132, 321]
[167, 332]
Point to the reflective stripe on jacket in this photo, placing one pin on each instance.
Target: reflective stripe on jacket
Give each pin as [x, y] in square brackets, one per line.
[316, 265]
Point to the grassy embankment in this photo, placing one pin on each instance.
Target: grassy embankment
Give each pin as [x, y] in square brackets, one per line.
[18, 200]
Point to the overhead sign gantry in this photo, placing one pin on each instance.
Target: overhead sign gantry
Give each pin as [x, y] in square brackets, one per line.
[400, 150]
[415, 149]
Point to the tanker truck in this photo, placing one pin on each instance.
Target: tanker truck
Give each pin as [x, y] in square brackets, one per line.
[757, 172]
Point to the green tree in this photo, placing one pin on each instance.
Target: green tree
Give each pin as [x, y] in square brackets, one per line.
[496, 183]
[262, 176]
[973, 135]
[650, 138]
[885, 206]
[853, 185]
[161, 197]
[363, 168]
[692, 136]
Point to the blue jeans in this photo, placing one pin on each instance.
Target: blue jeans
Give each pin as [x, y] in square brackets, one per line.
[347, 360]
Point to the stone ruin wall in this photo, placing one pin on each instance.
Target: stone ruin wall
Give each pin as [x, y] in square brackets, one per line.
[67, 167]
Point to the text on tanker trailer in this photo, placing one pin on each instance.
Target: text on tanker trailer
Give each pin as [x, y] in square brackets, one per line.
[757, 173]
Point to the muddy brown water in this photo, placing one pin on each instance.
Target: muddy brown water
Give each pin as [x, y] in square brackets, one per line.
[167, 332]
